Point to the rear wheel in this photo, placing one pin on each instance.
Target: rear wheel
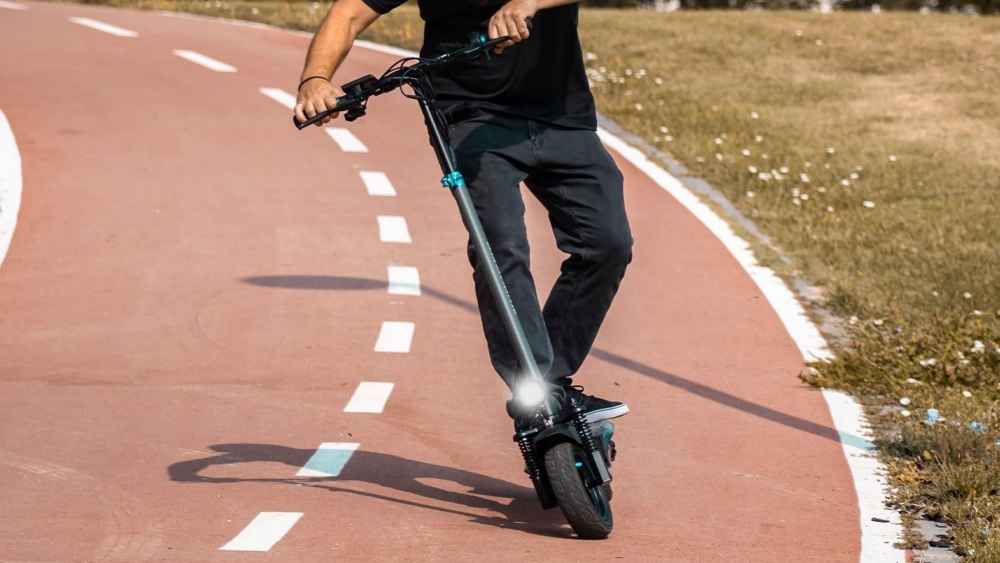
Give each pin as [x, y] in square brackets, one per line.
[586, 508]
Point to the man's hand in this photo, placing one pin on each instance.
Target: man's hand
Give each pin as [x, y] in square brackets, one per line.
[316, 96]
[510, 20]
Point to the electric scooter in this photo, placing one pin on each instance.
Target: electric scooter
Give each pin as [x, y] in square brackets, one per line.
[567, 458]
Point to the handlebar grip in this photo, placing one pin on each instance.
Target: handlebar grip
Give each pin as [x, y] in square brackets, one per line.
[318, 116]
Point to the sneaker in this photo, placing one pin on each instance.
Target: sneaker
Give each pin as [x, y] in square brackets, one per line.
[597, 409]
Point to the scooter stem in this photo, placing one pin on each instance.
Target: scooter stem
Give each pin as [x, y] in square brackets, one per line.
[454, 181]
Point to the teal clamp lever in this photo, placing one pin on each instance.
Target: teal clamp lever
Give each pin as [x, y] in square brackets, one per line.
[453, 180]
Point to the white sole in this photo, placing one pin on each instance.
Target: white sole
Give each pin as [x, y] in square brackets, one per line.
[607, 414]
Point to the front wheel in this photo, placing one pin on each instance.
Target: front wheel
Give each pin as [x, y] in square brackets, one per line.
[586, 508]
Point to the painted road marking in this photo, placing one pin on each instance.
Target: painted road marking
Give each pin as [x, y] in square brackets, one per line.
[404, 280]
[280, 96]
[105, 27]
[329, 460]
[392, 228]
[347, 141]
[370, 396]
[12, 6]
[263, 531]
[880, 526]
[207, 62]
[395, 337]
[10, 185]
[377, 183]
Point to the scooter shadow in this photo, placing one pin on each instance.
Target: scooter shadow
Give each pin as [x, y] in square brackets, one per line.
[522, 512]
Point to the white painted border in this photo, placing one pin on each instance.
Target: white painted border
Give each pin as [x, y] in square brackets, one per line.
[265, 530]
[10, 185]
[876, 538]
[848, 417]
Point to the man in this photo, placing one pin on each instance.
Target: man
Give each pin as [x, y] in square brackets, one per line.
[526, 115]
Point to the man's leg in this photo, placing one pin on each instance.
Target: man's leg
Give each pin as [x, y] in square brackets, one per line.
[581, 188]
[492, 152]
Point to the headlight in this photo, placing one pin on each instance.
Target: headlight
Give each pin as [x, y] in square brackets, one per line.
[530, 392]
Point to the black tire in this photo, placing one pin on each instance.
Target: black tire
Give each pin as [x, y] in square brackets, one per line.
[586, 508]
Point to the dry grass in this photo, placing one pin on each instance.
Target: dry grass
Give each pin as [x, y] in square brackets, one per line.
[908, 105]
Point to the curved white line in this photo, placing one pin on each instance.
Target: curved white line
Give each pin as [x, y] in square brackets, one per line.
[10, 185]
[877, 539]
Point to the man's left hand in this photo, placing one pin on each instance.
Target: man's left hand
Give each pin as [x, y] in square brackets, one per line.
[510, 20]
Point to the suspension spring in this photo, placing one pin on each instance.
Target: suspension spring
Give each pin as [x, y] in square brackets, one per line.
[589, 443]
[528, 452]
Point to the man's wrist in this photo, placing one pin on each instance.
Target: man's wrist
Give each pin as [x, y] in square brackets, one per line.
[313, 77]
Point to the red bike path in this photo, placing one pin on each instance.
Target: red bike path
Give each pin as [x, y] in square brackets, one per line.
[194, 291]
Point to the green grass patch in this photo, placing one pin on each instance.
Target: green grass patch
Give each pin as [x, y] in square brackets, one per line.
[867, 147]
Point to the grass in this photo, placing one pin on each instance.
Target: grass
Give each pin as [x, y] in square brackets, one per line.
[867, 148]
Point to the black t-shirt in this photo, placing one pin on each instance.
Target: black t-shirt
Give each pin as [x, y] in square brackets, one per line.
[542, 78]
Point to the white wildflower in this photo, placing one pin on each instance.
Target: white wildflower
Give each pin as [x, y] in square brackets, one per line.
[804, 197]
[663, 129]
[668, 138]
[752, 169]
[764, 176]
[638, 107]
[878, 322]
[819, 42]
[718, 156]
[746, 152]
[966, 394]
[798, 33]
[904, 412]
[830, 150]
[854, 175]
[718, 141]
[967, 295]
[821, 189]
[758, 138]
[904, 401]
[807, 164]
[892, 158]
[869, 204]
[796, 192]
[754, 115]
[804, 178]
[658, 80]
[977, 312]
[928, 362]
[829, 208]
[853, 319]
[784, 169]
[751, 194]
[591, 57]
[699, 159]
[978, 347]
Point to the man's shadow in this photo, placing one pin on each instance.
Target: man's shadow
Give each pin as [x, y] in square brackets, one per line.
[521, 512]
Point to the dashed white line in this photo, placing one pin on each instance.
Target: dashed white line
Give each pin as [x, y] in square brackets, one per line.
[10, 185]
[105, 27]
[395, 337]
[263, 531]
[12, 6]
[377, 183]
[370, 396]
[404, 280]
[329, 460]
[207, 62]
[392, 228]
[347, 141]
[280, 96]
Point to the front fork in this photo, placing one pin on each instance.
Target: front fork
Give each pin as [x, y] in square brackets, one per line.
[454, 181]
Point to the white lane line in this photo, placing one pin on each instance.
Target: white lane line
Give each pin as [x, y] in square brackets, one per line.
[263, 531]
[404, 280]
[10, 185]
[280, 96]
[12, 6]
[347, 141]
[370, 396]
[377, 183]
[392, 228]
[395, 337]
[877, 538]
[105, 27]
[207, 62]
[329, 460]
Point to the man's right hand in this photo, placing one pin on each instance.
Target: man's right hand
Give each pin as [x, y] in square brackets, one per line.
[316, 96]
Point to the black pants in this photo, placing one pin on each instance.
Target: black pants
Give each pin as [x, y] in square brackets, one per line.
[575, 179]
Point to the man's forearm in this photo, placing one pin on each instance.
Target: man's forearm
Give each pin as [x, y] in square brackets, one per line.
[342, 25]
